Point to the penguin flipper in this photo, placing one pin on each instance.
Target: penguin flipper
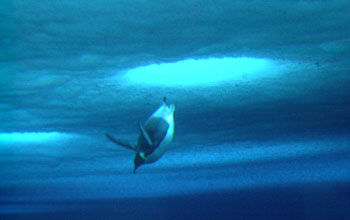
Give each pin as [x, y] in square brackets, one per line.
[120, 142]
[145, 135]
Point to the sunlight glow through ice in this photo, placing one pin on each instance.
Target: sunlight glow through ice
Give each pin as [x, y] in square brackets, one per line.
[31, 137]
[201, 72]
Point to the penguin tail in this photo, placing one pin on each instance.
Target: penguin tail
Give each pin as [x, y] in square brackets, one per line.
[119, 142]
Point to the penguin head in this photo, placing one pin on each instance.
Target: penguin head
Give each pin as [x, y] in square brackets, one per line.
[169, 108]
[165, 111]
[138, 161]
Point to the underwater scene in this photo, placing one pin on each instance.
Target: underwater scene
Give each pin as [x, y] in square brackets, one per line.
[159, 109]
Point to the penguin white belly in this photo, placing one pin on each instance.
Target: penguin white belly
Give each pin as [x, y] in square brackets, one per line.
[159, 151]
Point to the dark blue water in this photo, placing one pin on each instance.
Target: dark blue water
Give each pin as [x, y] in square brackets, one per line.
[261, 122]
[289, 202]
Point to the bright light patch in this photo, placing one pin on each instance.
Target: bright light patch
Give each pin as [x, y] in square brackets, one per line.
[202, 72]
[31, 137]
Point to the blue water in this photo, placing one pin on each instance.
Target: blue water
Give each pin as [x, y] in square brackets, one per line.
[262, 115]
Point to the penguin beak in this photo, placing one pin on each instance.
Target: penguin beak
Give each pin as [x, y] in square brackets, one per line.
[135, 168]
[138, 161]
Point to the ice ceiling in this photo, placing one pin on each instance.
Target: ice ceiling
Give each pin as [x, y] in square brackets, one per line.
[100, 37]
[92, 53]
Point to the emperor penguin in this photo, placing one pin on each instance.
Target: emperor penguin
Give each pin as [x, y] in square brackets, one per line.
[155, 135]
